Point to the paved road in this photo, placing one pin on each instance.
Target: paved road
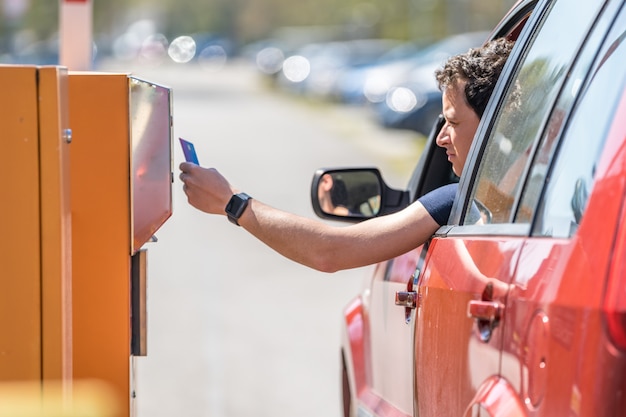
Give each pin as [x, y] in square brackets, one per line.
[234, 329]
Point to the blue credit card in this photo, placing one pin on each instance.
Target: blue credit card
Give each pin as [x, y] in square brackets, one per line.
[190, 151]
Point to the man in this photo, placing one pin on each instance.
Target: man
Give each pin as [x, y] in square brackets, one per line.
[466, 81]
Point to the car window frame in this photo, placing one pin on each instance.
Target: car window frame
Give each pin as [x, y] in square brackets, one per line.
[477, 151]
[487, 123]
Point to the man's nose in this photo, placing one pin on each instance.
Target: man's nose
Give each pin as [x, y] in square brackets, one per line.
[442, 137]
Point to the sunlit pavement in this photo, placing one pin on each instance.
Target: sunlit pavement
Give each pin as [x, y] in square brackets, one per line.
[234, 329]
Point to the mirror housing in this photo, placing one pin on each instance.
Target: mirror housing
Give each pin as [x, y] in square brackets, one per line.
[354, 194]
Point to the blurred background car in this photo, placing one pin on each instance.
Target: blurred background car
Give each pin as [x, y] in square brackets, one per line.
[313, 69]
[353, 84]
[408, 97]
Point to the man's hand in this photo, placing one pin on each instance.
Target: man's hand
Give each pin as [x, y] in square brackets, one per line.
[206, 189]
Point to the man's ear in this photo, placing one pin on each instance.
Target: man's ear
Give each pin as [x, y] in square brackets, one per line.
[326, 182]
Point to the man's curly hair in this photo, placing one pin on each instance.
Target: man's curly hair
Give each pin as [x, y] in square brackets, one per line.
[480, 67]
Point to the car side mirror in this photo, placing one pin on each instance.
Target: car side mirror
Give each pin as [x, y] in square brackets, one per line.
[354, 194]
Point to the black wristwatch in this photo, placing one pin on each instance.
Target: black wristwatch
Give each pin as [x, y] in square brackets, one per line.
[236, 206]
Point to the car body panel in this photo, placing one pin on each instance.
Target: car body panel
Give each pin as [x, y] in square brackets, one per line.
[496, 398]
[382, 388]
[391, 337]
[453, 361]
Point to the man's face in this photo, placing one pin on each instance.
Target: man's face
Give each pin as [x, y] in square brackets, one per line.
[457, 133]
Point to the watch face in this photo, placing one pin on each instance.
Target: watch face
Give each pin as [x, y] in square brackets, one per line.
[229, 206]
[236, 206]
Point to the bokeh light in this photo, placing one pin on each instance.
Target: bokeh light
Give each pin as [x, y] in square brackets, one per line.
[296, 68]
[404, 100]
[154, 48]
[270, 60]
[182, 49]
[213, 58]
[375, 88]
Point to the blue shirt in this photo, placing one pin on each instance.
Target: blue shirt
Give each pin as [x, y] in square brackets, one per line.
[438, 202]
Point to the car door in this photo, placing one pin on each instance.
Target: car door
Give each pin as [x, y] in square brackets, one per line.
[387, 389]
[469, 267]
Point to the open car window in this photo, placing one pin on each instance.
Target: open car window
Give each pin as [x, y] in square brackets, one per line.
[433, 169]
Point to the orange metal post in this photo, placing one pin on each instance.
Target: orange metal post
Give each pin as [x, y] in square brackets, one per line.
[100, 200]
[35, 274]
[20, 261]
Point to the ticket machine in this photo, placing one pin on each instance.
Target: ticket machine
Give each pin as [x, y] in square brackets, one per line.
[88, 177]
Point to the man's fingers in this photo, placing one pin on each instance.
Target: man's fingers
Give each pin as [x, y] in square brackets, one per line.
[186, 166]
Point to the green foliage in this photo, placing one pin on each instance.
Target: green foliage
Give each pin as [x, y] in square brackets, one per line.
[248, 20]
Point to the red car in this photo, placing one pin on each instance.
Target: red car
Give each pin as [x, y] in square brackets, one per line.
[524, 313]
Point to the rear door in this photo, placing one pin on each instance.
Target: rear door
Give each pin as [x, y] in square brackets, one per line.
[555, 332]
[470, 265]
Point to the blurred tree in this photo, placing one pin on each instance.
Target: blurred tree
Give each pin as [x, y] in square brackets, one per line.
[249, 20]
[107, 14]
[43, 18]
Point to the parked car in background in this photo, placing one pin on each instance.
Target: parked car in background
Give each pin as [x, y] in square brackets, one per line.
[523, 313]
[313, 69]
[363, 83]
[410, 99]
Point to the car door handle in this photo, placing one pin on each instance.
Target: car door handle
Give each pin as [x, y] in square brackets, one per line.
[484, 310]
[406, 299]
[487, 315]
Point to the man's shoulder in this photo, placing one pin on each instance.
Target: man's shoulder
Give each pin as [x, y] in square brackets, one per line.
[439, 202]
[447, 192]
